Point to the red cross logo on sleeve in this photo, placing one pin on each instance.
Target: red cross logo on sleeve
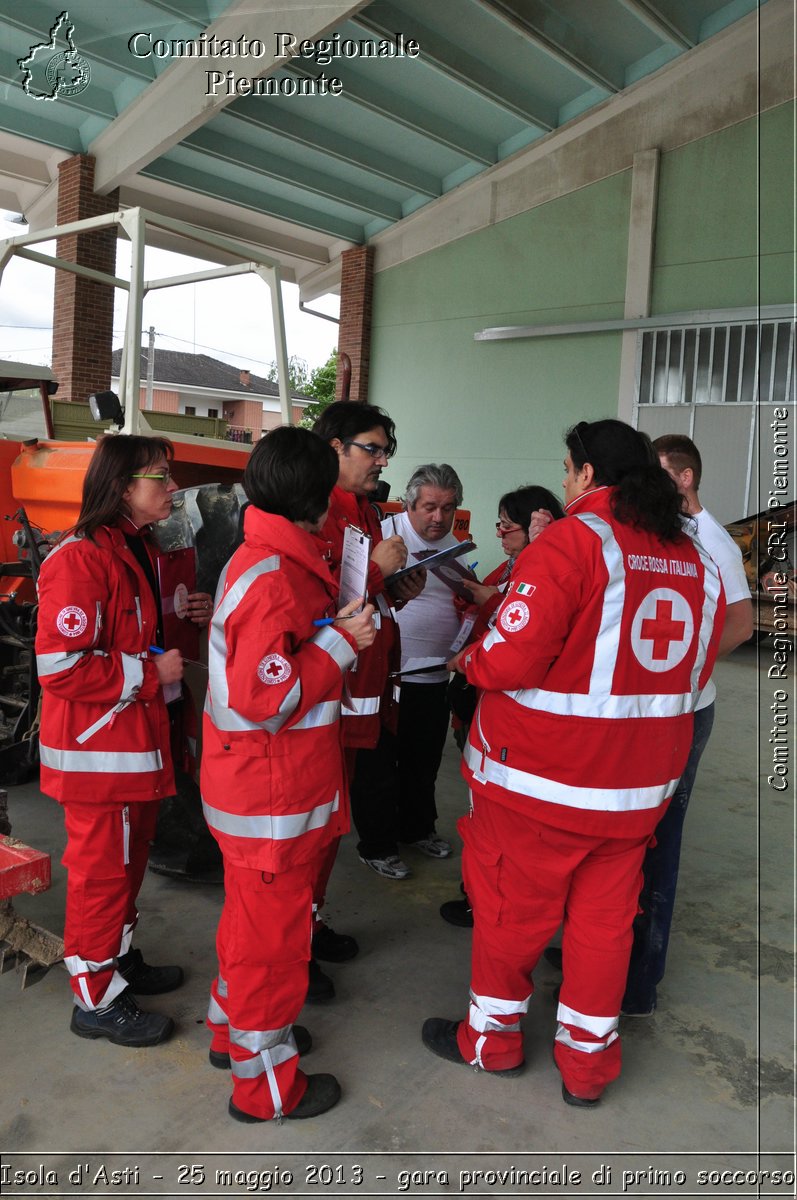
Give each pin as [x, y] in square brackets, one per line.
[515, 616]
[662, 628]
[71, 621]
[274, 669]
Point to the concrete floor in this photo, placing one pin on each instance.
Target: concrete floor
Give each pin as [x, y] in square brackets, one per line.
[708, 1077]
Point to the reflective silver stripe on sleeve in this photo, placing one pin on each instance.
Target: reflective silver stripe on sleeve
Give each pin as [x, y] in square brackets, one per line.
[275, 828]
[524, 783]
[67, 541]
[52, 664]
[103, 761]
[363, 706]
[217, 645]
[290, 702]
[132, 678]
[618, 708]
[494, 637]
[335, 645]
[325, 713]
[227, 719]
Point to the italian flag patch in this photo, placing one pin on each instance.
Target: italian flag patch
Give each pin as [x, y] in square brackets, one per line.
[525, 589]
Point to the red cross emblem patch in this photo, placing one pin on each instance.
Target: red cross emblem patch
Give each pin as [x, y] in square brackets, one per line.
[274, 669]
[661, 632]
[71, 621]
[515, 616]
[181, 601]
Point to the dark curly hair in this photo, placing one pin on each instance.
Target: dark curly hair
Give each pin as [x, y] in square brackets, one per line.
[623, 458]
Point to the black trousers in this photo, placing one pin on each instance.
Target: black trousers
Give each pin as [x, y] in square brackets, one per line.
[392, 794]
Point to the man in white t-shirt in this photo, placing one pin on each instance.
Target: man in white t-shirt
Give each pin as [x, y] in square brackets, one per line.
[402, 770]
[680, 458]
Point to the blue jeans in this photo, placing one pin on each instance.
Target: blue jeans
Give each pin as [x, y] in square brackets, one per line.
[660, 871]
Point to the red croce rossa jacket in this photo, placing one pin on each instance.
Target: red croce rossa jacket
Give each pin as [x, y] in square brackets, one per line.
[104, 728]
[590, 674]
[272, 779]
[373, 695]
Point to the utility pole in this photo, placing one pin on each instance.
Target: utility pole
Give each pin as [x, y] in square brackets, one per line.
[150, 368]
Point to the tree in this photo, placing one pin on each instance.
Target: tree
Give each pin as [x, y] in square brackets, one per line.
[321, 386]
[298, 374]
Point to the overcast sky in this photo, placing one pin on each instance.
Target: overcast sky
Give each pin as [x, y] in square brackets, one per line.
[229, 319]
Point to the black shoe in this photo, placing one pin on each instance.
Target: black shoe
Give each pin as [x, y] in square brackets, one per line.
[323, 1093]
[553, 955]
[123, 1023]
[457, 912]
[145, 980]
[333, 947]
[440, 1036]
[302, 1037]
[320, 988]
[578, 1101]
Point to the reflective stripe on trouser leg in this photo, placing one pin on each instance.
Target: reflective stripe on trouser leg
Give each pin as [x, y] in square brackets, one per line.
[490, 1021]
[217, 1020]
[101, 894]
[263, 945]
[508, 936]
[596, 945]
[255, 1053]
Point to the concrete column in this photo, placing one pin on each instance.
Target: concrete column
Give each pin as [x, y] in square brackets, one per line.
[354, 335]
[639, 268]
[83, 309]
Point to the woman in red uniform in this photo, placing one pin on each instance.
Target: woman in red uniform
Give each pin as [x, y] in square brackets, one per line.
[588, 681]
[104, 740]
[273, 785]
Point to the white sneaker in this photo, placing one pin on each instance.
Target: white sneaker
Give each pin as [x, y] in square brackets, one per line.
[434, 846]
[390, 867]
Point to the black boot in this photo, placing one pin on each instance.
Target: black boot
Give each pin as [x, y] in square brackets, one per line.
[323, 1093]
[122, 1023]
[145, 980]
[320, 988]
[333, 947]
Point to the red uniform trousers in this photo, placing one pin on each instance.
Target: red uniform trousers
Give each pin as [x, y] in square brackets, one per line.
[523, 879]
[326, 862]
[263, 946]
[106, 855]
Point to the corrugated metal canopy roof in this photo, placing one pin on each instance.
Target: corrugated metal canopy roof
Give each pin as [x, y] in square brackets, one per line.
[304, 176]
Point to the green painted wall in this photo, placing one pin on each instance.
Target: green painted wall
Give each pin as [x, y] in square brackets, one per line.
[496, 410]
[709, 243]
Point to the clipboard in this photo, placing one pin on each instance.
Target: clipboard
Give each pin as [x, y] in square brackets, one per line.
[432, 560]
[176, 579]
[354, 564]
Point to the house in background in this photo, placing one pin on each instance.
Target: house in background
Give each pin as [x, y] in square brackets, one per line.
[196, 385]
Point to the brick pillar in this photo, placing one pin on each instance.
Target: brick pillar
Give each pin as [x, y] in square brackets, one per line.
[83, 309]
[354, 334]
